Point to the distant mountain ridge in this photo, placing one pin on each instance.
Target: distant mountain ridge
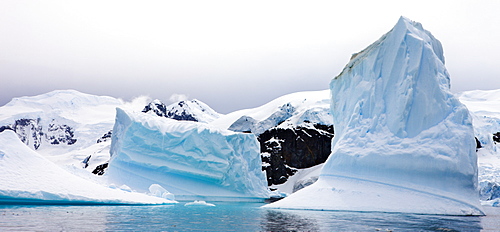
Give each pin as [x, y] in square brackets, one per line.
[193, 110]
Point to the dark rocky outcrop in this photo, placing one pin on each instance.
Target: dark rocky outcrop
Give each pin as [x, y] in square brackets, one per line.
[284, 150]
[105, 137]
[60, 134]
[160, 109]
[3, 128]
[496, 137]
[32, 133]
[156, 107]
[29, 131]
[100, 169]
[478, 144]
[86, 161]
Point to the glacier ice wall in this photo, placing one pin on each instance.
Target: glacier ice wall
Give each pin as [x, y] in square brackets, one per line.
[193, 161]
[403, 142]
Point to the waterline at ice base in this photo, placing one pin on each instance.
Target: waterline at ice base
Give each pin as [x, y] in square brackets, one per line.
[403, 142]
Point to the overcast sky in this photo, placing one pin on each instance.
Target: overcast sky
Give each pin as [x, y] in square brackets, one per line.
[228, 54]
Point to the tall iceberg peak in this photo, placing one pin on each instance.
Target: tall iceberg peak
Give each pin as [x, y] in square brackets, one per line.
[403, 142]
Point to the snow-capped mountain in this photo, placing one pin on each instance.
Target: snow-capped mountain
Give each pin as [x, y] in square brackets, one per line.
[64, 125]
[294, 131]
[65, 117]
[192, 110]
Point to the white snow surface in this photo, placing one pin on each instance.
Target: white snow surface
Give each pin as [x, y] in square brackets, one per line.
[199, 203]
[403, 142]
[201, 111]
[286, 111]
[302, 176]
[27, 177]
[194, 161]
[484, 106]
[90, 116]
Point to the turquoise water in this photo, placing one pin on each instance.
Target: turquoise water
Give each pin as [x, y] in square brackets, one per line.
[227, 217]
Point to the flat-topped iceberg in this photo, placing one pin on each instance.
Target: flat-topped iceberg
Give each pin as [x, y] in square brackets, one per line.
[193, 161]
[403, 142]
[29, 178]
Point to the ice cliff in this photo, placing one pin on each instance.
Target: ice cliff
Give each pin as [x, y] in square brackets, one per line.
[193, 161]
[403, 142]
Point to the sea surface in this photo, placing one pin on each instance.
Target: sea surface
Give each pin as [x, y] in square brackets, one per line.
[228, 217]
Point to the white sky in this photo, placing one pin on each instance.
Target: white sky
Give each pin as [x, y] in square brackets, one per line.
[229, 54]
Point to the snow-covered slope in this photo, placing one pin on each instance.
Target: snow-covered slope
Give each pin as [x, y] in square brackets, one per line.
[27, 177]
[59, 122]
[294, 132]
[403, 142]
[193, 110]
[64, 125]
[289, 110]
[194, 161]
[484, 106]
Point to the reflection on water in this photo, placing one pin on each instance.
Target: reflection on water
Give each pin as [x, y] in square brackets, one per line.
[227, 217]
[355, 221]
[283, 221]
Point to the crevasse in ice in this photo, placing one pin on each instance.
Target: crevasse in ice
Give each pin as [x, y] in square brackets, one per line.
[403, 142]
[193, 161]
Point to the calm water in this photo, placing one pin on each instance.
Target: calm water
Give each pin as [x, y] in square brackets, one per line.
[227, 217]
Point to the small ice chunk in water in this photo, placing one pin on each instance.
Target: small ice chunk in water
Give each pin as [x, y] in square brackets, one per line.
[158, 191]
[198, 203]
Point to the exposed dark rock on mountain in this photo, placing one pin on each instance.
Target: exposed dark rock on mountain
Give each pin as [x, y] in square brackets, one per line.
[3, 128]
[60, 134]
[193, 110]
[156, 107]
[105, 137]
[85, 162]
[286, 149]
[100, 169]
[29, 131]
[496, 137]
[32, 133]
[478, 144]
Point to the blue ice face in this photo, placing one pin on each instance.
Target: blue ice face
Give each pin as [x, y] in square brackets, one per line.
[191, 160]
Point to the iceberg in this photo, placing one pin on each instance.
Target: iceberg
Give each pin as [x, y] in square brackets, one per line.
[191, 160]
[199, 203]
[26, 177]
[403, 142]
